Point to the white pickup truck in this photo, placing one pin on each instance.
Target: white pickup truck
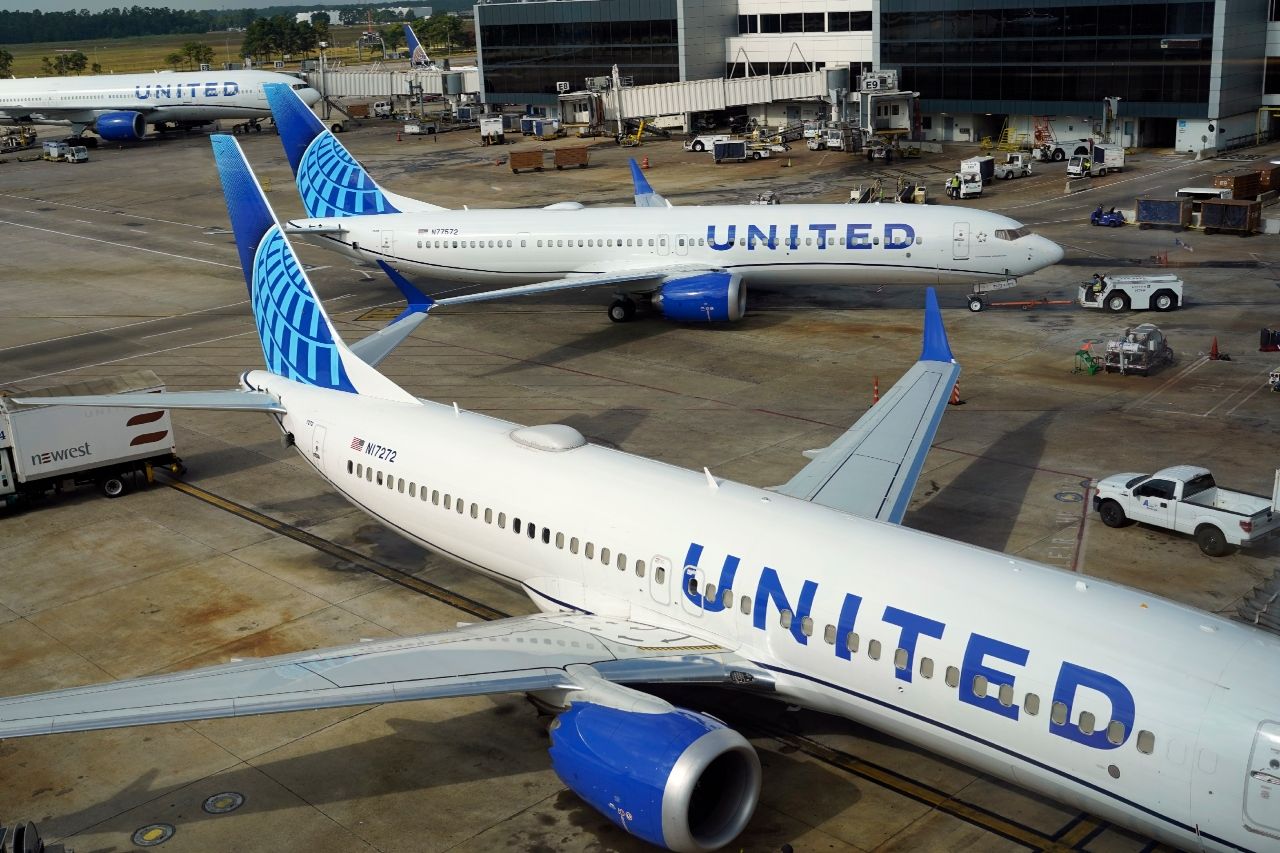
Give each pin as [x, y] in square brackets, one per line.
[1185, 498]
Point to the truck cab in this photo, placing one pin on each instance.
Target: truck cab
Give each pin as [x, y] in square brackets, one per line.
[1015, 165]
[1085, 166]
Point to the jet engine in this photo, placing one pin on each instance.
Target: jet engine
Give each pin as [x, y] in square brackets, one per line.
[120, 126]
[678, 779]
[708, 298]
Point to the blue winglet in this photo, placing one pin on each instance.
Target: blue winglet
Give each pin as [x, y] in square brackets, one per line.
[638, 178]
[419, 302]
[935, 346]
[250, 216]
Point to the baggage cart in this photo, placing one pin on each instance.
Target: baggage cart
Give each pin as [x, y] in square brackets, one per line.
[525, 160]
[1166, 212]
[577, 156]
[1237, 215]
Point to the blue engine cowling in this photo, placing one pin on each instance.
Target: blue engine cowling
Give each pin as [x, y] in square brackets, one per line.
[714, 297]
[677, 779]
[120, 126]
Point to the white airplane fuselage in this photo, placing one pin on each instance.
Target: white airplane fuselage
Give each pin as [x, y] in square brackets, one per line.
[181, 96]
[802, 244]
[1147, 713]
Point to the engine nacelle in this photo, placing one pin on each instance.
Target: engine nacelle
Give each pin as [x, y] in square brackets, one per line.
[677, 779]
[120, 126]
[714, 297]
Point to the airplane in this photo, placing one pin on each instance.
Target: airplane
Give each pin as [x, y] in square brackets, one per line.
[694, 264]
[1151, 714]
[119, 107]
[417, 53]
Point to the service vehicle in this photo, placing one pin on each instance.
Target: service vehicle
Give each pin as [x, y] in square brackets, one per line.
[706, 141]
[17, 138]
[834, 138]
[54, 150]
[1143, 349]
[76, 154]
[491, 130]
[1108, 218]
[1015, 165]
[737, 149]
[383, 109]
[57, 448]
[1185, 498]
[1084, 166]
[984, 167]
[1137, 292]
[964, 185]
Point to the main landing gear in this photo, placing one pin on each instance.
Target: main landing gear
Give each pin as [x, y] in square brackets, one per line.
[250, 126]
[622, 310]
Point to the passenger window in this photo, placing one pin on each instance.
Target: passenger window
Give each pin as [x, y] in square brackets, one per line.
[952, 677]
[400, 485]
[639, 568]
[515, 525]
[980, 686]
[460, 505]
[413, 490]
[424, 495]
[660, 574]
[726, 598]
[351, 466]
[475, 510]
[1031, 704]
[531, 530]
[560, 541]
[709, 593]
[546, 536]
[851, 642]
[391, 483]
[368, 475]
[379, 478]
[488, 516]
[604, 556]
[359, 470]
[1146, 742]
[1115, 732]
[573, 545]
[622, 562]
[926, 667]
[1087, 721]
[1058, 713]
[1005, 695]
[435, 496]
[448, 502]
[784, 618]
[900, 660]
[502, 521]
[806, 626]
[873, 649]
[746, 604]
[589, 551]
[829, 635]
[693, 585]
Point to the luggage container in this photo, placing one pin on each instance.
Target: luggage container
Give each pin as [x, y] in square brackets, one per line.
[525, 160]
[1242, 183]
[1268, 177]
[1237, 215]
[1169, 212]
[565, 157]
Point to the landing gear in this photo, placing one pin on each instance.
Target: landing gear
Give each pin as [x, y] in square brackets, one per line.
[975, 303]
[250, 126]
[622, 310]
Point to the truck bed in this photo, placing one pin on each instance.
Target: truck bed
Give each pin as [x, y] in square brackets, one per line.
[1237, 503]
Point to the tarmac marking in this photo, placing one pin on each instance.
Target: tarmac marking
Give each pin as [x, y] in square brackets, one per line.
[1105, 186]
[123, 326]
[122, 245]
[1170, 382]
[128, 357]
[170, 332]
[99, 210]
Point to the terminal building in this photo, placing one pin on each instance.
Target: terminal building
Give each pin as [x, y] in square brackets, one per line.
[1188, 74]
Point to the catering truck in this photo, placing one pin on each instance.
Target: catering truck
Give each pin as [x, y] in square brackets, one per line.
[1186, 499]
[57, 448]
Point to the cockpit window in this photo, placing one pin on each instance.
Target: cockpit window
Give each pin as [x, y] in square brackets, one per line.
[1012, 233]
[296, 86]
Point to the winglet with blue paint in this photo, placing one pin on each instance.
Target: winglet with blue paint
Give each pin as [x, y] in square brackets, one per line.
[419, 302]
[936, 347]
[417, 53]
[645, 196]
[298, 340]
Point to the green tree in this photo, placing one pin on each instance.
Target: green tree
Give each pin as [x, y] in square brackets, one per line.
[175, 59]
[6, 63]
[197, 53]
[444, 29]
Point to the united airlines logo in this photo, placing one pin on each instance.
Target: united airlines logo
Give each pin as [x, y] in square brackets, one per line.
[186, 90]
[825, 235]
[332, 183]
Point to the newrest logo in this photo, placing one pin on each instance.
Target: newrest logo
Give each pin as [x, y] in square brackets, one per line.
[51, 456]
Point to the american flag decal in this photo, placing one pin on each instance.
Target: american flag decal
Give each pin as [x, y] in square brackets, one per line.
[357, 444]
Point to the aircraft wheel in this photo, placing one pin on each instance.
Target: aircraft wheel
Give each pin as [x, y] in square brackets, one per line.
[976, 304]
[622, 310]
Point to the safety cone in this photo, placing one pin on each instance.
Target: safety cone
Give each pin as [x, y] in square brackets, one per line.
[398, 136]
[955, 396]
[875, 390]
[644, 162]
[1213, 350]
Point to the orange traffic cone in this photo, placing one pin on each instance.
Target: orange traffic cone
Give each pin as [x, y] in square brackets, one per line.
[955, 396]
[1213, 350]
[644, 162]
[397, 136]
[875, 390]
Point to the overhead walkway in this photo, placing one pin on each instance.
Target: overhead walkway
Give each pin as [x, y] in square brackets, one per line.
[695, 96]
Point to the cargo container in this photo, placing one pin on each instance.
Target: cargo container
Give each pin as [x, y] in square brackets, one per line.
[1242, 183]
[1268, 177]
[1174, 213]
[565, 157]
[1239, 216]
[57, 448]
[525, 160]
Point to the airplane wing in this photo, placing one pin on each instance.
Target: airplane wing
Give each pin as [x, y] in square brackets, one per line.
[872, 469]
[528, 653]
[640, 280]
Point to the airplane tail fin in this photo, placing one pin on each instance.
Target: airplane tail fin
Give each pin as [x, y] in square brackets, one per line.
[645, 194]
[417, 53]
[298, 339]
[329, 179]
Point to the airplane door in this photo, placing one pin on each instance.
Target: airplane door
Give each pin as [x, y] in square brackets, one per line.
[1262, 785]
[682, 244]
[960, 241]
[660, 579]
[317, 445]
[664, 245]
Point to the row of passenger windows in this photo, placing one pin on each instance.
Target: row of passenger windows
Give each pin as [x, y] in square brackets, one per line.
[640, 243]
[980, 687]
[851, 641]
[588, 550]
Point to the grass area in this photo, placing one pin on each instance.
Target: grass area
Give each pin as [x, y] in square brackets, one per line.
[147, 53]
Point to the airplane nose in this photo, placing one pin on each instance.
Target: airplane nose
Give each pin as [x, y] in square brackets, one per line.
[1047, 253]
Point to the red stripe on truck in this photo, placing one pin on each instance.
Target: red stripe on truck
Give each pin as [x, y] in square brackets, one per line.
[148, 438]
[144, 418]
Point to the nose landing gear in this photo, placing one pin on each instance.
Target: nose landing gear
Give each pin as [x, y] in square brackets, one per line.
[622, 310]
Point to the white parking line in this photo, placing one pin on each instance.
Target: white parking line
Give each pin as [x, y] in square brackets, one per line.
[129, 357]
[124, 326]
[99, 210]
[170, 332]
[1169, 383]
[122, 245]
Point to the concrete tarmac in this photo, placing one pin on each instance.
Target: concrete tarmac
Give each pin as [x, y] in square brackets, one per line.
[125, 262]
